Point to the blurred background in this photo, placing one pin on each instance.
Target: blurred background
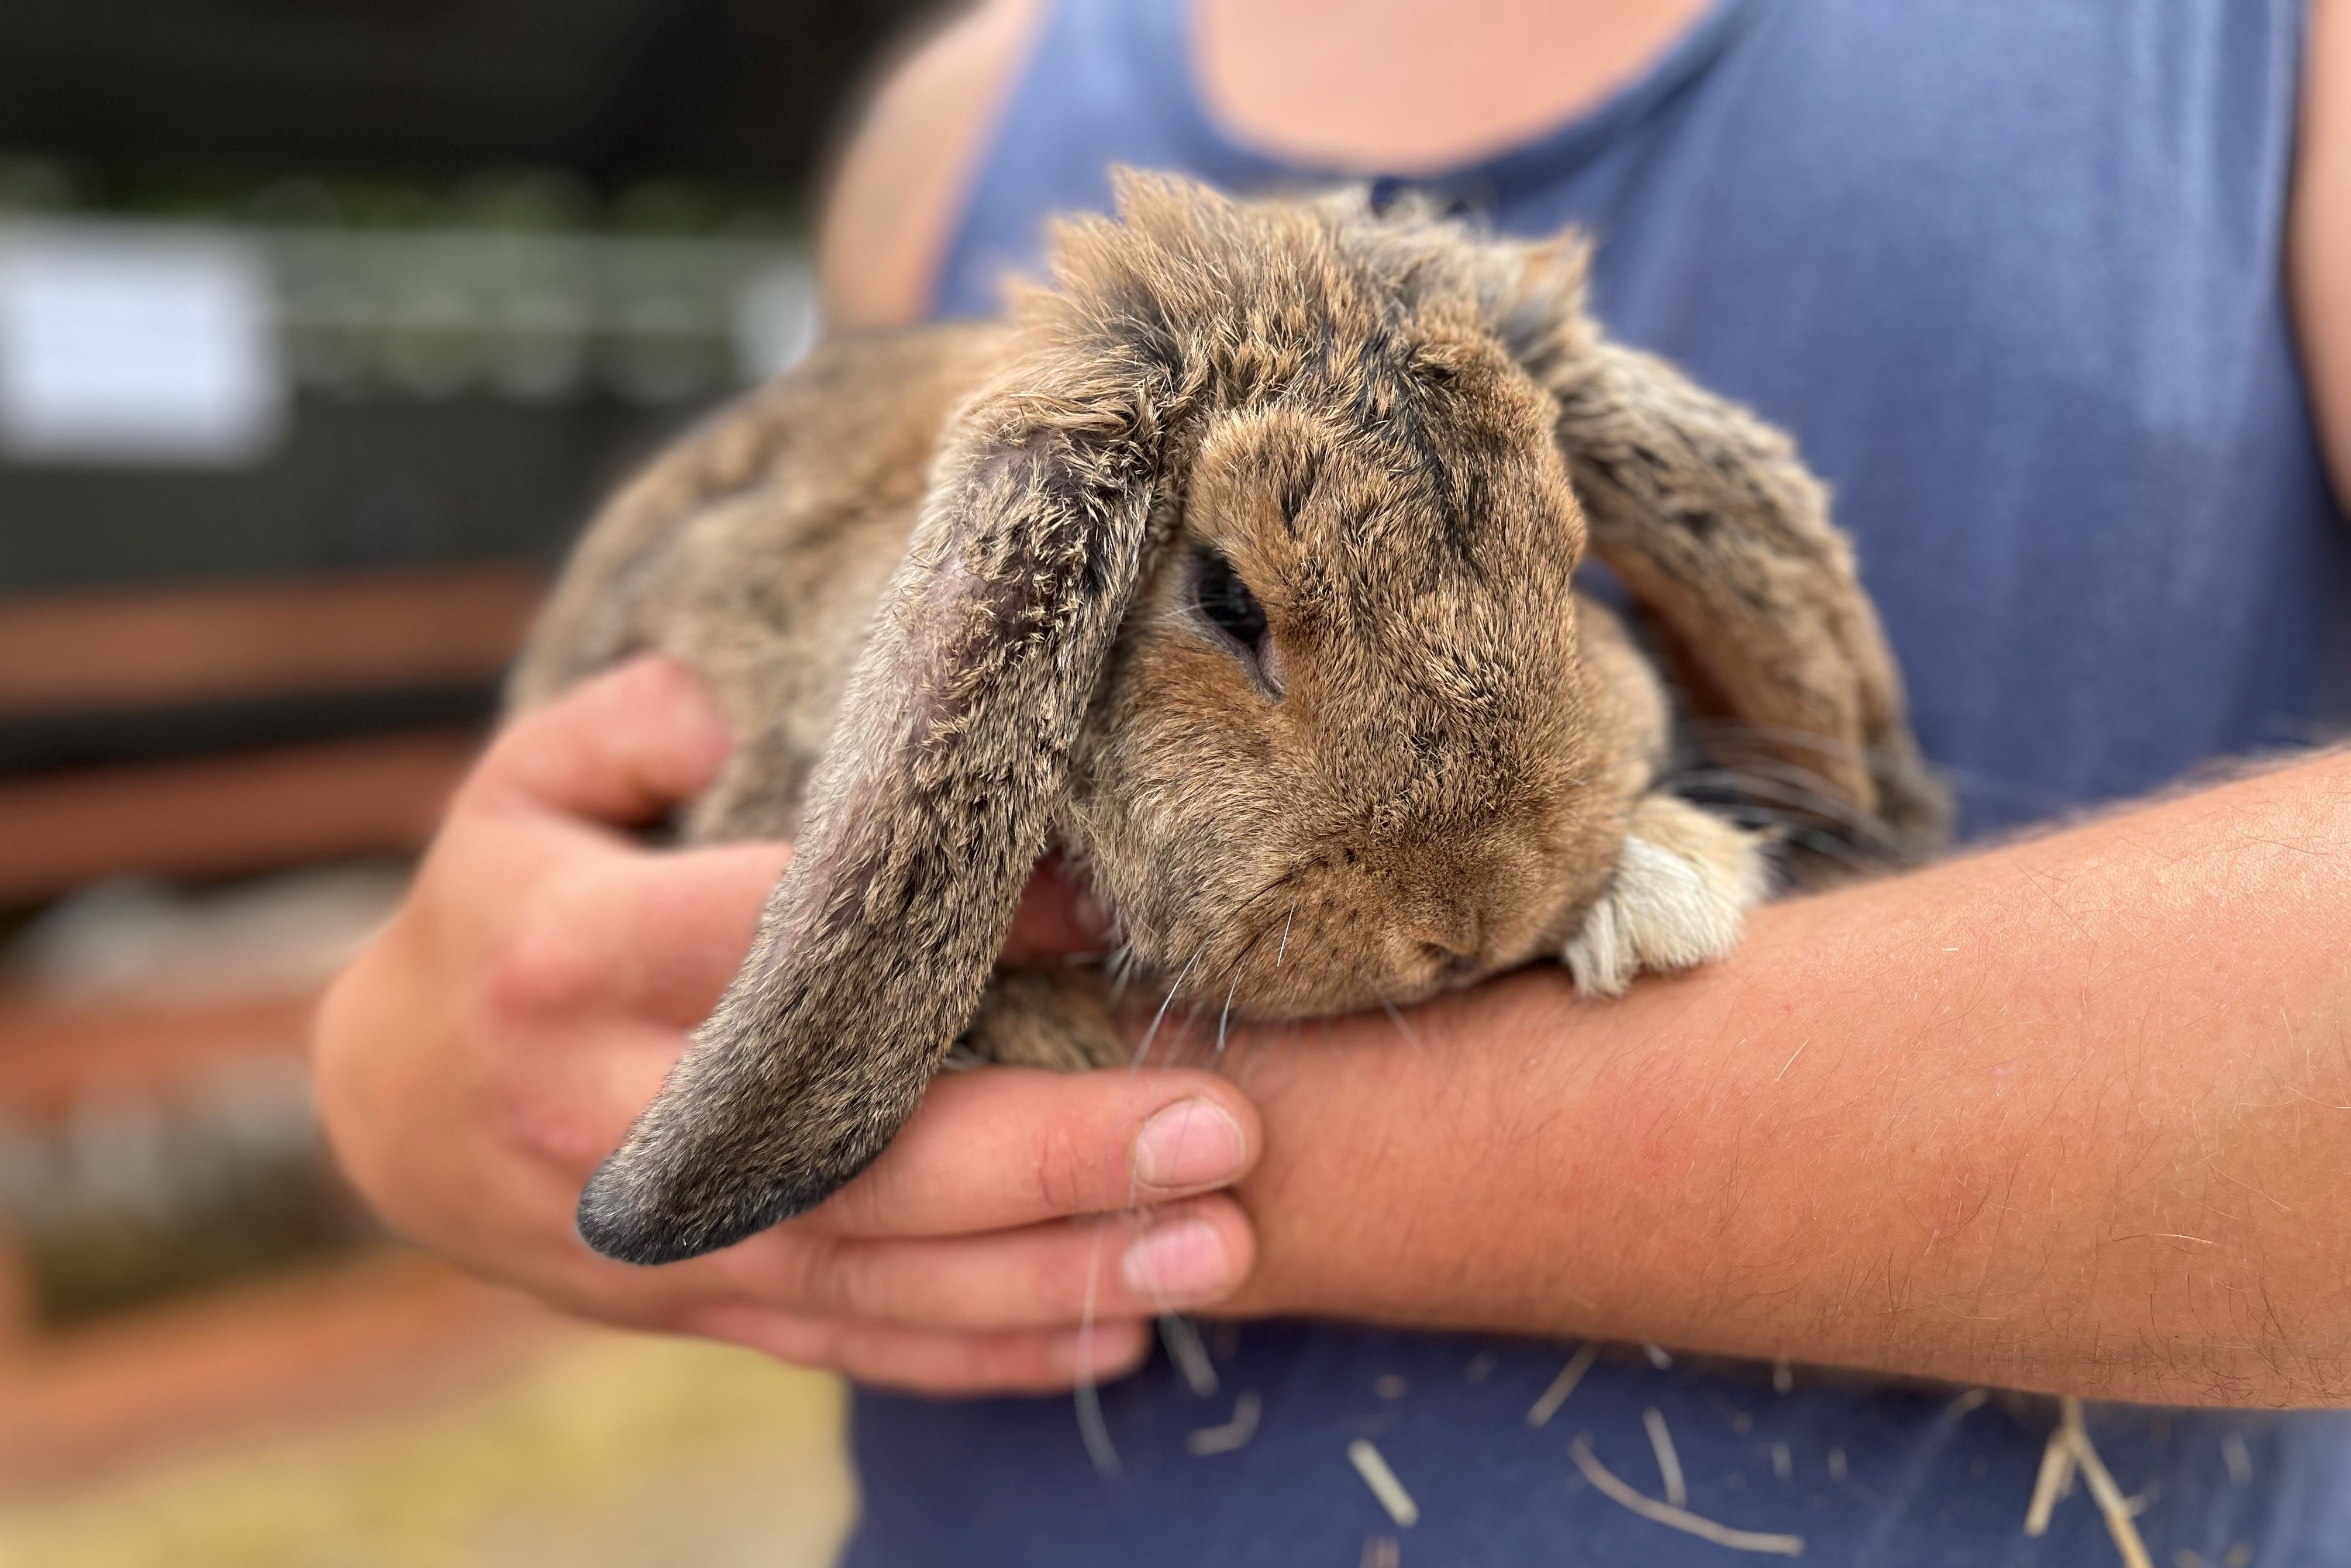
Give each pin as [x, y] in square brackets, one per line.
[323, 325]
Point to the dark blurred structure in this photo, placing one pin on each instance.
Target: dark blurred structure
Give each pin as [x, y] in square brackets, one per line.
[671, 117]
[496, 249]
[614, 90]
[323, 323]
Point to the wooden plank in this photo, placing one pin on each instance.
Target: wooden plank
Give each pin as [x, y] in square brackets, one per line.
[93, 652]
[225, 814]
[54, 1058]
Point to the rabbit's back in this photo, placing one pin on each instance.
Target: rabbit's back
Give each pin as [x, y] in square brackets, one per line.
[755, 548]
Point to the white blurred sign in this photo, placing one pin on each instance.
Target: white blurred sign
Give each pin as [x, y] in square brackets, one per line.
[128, 348]
[775, 318]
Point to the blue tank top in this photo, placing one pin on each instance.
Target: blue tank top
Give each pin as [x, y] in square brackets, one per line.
[2010, 271]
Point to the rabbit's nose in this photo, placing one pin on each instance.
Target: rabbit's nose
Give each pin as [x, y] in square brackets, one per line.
[1448, 960]
[1453, 945]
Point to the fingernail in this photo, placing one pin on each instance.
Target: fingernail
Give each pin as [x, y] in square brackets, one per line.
[1176, 1264]
[1104, 1347]
[1192, 1143]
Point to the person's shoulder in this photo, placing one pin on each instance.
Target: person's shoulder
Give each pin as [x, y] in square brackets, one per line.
[915, 150]
[2321, 239]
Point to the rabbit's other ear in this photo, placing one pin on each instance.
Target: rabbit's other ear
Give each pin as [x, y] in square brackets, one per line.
[1723, 535]
[926, 818]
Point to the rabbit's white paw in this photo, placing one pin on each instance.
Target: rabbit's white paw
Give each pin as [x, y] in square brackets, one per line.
[1685, 881]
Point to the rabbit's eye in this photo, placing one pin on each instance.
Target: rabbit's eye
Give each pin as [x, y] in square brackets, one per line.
[1225, 601]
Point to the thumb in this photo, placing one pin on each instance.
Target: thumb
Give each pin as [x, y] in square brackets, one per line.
[621, 749]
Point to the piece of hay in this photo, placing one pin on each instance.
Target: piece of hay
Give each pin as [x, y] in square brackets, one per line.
[1382, 1552]
[2234, 1453]
[1741, 1423]
[1373, 1469]
[1673, 1518]
[2110, 1499]
[1191, 1356]
[1562, 1386]
[1669, 1464]
[2056, 1476]
[1234, 1434]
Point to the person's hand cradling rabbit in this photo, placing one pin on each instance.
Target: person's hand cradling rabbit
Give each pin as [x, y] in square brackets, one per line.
[494, 1041]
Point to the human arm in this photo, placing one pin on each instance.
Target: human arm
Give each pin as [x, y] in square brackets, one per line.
[491, 1045]
[2073, 1114]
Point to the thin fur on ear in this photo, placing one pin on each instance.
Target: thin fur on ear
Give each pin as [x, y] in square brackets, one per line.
[1717, 527]
[926, 818]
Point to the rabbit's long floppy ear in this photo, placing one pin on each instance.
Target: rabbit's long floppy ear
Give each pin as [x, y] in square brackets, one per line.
[1717, 527]
[926, 818]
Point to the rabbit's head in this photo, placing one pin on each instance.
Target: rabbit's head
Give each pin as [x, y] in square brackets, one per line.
[1348, 749]
[1247, 579]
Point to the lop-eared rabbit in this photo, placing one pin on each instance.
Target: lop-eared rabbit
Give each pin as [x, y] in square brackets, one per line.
[1237, 566]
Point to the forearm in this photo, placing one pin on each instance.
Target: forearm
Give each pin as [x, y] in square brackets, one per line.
[2073, 1114]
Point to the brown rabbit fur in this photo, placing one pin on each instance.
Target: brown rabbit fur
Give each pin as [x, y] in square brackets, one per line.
[1237, 566]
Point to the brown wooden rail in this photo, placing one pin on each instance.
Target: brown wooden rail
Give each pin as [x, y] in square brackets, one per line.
[85, 652]
[225, 814]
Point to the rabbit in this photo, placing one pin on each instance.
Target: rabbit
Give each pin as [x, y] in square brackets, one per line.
[1236, 566]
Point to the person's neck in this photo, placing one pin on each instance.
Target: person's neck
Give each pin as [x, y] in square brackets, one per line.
[1416, 86]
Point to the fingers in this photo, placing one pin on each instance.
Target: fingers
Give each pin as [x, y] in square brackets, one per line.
[1035, 1361]
[649, 937]
[621, 749]
[1174, 1258]
[1007, 1146]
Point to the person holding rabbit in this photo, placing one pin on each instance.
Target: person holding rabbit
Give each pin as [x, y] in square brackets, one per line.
[2058, 299]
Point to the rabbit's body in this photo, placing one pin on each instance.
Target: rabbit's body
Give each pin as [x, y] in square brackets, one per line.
[754, 551]
[1238, 569]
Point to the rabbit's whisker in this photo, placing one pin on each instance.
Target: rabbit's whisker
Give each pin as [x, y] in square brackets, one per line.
[1803, 832]
[1795, 785]
[1784, 734]
[1092, 1428]
[1965, 781]
[1144, 1050]
[1240, 964]
[1225, 1017]
[1093, 1431]
[1780, 788]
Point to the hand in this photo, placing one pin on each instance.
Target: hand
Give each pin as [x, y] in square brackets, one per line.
[493, 1043]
